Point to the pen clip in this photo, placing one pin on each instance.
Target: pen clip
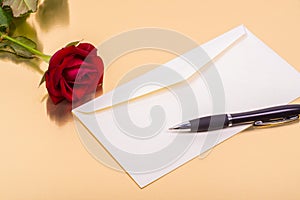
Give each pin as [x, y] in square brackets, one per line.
[276, 122]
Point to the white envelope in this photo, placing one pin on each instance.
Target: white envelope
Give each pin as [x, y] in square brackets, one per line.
[234, 72]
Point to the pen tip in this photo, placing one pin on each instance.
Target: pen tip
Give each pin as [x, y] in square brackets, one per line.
[185, 126]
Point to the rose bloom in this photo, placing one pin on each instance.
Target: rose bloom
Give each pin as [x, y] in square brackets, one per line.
[74, 72]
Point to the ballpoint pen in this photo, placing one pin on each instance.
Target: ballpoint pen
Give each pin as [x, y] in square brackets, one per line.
[264, 117]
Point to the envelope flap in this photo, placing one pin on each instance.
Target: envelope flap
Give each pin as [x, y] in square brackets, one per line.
[175, 71]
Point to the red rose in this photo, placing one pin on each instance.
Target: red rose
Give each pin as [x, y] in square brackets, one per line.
[74, 65]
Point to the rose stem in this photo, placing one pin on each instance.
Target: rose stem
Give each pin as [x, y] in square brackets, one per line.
[46, 58]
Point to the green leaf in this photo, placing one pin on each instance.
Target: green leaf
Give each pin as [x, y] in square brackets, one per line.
[14, 48]
[5, 20]
[21, 7]
[73, 43]
[21, 51]
[43, 79]
[5, 47]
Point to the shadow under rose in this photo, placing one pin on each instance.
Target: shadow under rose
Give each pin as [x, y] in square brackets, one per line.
[61, 113]
[53, 12]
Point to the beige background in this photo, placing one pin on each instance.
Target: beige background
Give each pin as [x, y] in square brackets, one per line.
[42, 156]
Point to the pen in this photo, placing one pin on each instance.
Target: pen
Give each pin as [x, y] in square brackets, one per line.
[264, 117]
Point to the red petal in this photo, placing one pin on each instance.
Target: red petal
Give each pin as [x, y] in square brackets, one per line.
[54, 92]
[52, 87]
[67, 62]
[88, 47]
[70, 74]
[66, 90]
[59, 56]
